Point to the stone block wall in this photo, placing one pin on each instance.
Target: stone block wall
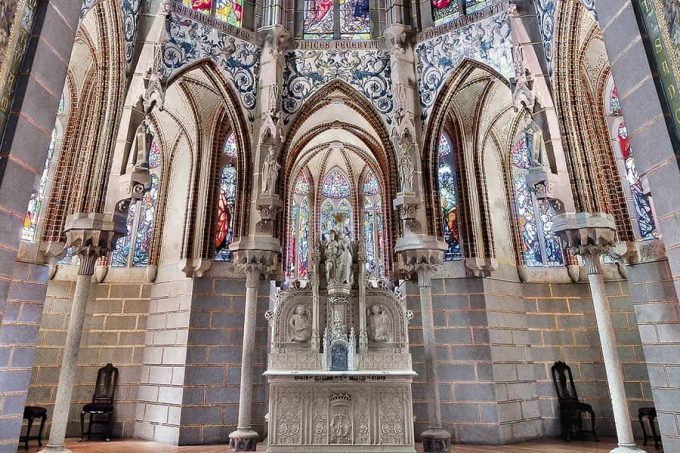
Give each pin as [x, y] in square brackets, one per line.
[114, 332]
[658, 317]
[213, 362]
[563, 327]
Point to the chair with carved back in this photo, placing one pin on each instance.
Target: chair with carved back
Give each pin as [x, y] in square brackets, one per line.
[571, 409]
[102, 402]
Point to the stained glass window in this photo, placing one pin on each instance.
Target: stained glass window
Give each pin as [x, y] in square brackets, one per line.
[615, 103]
[448, 199]
[444, 11]
[341, 19]
[540, 247]
[369, 237]
[355, 21]
[303, 241]
[301, 185]
[229, 11]
[319, 20]
[336, 185]
[225, 213]
[641, 199]
[230, 147]
[337, 219]
[28, 232]
[292, 242]
[371, 185]
[141, 219]
[472, 6]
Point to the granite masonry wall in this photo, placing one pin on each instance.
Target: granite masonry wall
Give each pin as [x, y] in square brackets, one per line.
[114, 332]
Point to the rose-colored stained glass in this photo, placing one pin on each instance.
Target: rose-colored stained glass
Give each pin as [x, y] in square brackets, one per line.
[230, 11]
[336, 185]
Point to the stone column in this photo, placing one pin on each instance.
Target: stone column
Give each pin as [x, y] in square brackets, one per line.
[435, 439]
[591, 236]
[244, 438]
[92, 236]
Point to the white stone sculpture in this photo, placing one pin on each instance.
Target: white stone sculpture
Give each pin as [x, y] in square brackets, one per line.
[406, 166]
[344, 261]
[331, 251]
[270, 171]
[378, 324]
[300, 327]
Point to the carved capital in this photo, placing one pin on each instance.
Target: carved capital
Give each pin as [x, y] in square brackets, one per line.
[407, 204]
[587, 235]
[419, 255]
[255, 264]
[268, 205]
[91, 236]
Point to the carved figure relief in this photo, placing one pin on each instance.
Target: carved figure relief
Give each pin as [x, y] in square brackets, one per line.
[299, 325]
[331, 251]
[345, 261]
[378, 324]
[341, 422]
[406, 166]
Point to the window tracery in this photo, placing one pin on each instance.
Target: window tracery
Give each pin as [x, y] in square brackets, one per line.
[226, 203]
[448, 199]
[372, 225]
[540, 246]
[337, 19]
[229, 11]
[135, 249]
[299, 231]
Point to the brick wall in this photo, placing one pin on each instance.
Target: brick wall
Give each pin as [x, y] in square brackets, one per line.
[114, 332]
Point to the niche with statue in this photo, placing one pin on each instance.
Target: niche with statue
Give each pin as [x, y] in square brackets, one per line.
[339, 365]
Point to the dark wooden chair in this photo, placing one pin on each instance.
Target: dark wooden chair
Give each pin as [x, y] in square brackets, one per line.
[102, 402]
[30, 414]
[571, 409]
[650, 414]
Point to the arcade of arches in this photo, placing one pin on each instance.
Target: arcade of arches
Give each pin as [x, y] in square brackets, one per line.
[349, 225]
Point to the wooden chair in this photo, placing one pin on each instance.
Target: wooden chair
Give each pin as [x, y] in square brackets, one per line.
[30, 414]
[102, 402]
[650, 414]
[571, 408]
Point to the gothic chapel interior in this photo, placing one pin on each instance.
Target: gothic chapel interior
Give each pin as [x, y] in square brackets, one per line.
[339, 225]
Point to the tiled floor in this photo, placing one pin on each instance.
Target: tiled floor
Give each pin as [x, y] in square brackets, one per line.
[541, 446]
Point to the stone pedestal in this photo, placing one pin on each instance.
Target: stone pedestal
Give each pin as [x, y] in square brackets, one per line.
[592, 236]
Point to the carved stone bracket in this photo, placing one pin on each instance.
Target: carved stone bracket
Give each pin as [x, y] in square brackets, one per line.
[268, 205]
[587, 235]
[256, 264]
[407, 204]
[92, 236]
[419, 255]
[481, 267]
[543, 181]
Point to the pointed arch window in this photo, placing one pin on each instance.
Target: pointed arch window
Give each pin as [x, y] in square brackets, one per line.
[445, 11]
[229, 11]
[134, 249]
[448, 198]
[372, 225]
[226, 202]
[336, 185]
[299, 231]
[336, 19]
[540, 246]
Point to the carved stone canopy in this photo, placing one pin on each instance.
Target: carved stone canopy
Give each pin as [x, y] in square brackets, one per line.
[582, 230]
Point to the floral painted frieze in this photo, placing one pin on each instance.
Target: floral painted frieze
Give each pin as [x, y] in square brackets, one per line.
[487, 41]
[130, 14]
[307, 71]
[545, 12]
[188, 41]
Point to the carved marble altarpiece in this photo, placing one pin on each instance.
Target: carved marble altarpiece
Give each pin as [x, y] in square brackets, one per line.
[328, 394]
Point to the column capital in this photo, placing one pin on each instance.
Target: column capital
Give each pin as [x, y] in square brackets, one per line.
[588, 235]
[421, 255]
[255, 264]
[91, 236]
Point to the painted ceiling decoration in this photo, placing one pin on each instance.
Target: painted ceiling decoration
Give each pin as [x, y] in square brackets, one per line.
[130, 12]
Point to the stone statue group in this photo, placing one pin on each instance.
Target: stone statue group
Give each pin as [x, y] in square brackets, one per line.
[338, 259]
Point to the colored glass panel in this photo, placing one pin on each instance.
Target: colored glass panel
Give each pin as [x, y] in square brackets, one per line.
[641, 199]
[230, 149]
[355, 20]
[121, 251]
[230, 11]
[371, 186]
[319, 19]
[615, 103]
[448, 200]
[444, 11]
[204, 6]
[379, 230]
[335, 185]
[225, 214]
[30, 228]
[524, 206]
[472, 6]
[369, 238]
[303, 241]
[292, 242]
[547, 210]
[145, 227]
[301, 185]
[337, 219]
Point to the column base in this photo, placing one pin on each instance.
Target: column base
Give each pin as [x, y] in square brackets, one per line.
[436, 440]
[55, 449]
[627, 449]
[243, 440]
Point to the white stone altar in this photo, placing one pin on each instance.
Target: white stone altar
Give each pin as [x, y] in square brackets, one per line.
[339, 366]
